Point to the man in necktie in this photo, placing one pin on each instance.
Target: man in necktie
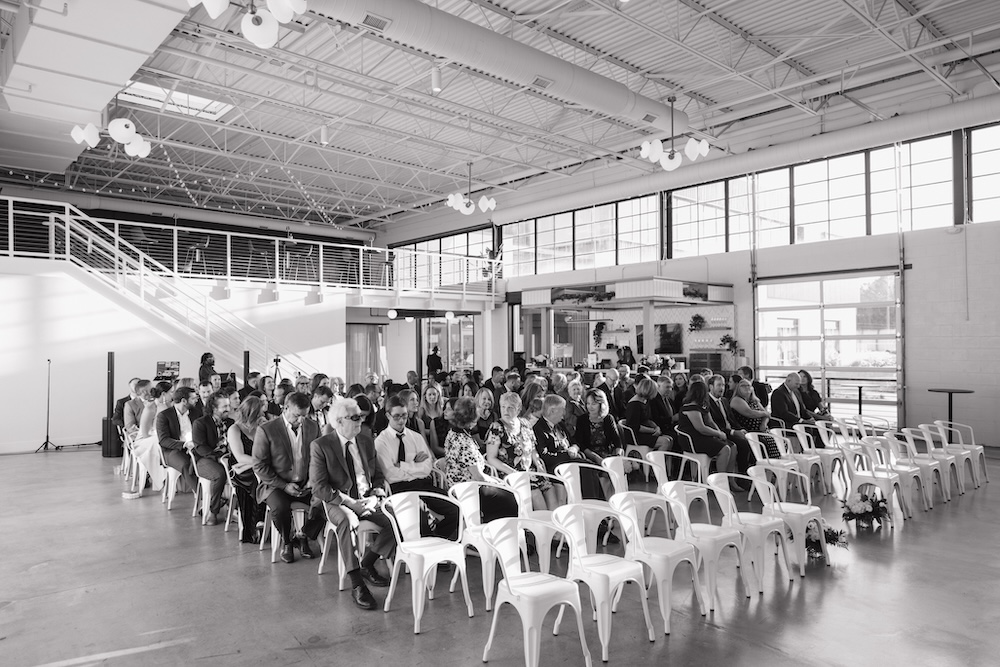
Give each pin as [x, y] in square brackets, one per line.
[406, 463]
[281, 463]
[345, 476]
[722, 415]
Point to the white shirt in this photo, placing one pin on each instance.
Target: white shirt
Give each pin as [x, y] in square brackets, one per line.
[387, 448]
[185, 423]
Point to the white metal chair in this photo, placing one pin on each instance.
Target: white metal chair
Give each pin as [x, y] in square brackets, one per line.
[808, 462]
[298, 521]
[707, 538]
[202, 492]
[633, 450]
[421, 554]
[532, 594]
[660, 555]
[572, 476]
[685, 461]
[882, 455]
[604, 574]
[955, 434]
[467, 495]
[797, 516]
[756, 528]
[863, 472]
[779, 468]
[687, 446]
[929, 465]
[829, 453]
[438, 474]
[233, 509]
[173, 479]
[948, 459]
[362, 531]
[619, 479]
[520, 484]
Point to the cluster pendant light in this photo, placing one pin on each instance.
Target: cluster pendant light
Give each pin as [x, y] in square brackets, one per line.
[121, 130]
[464, 204]
[654, 151]
[259, 24]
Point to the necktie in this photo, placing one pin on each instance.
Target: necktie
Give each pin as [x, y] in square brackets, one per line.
[402, 448]
[295, 429]
[351, 470]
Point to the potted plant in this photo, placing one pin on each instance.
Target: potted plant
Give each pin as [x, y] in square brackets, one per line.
[730, 343]
[697, 323]
[598, 334]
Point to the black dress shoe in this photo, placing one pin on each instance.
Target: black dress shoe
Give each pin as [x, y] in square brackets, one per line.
[371, 575]
[287, 553]
[304, 547]
[363, 597]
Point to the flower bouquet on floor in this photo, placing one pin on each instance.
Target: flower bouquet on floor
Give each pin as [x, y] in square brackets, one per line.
[865, 509]
[832, 536]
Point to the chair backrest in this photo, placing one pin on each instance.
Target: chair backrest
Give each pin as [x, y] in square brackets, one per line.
[505, 537]
[767, 492]
[575, 519]
[684, 440]
[756, 446]
[781, 442]
[628, 436]
[790, 436]
[678, 509]
[679, 491]
[934, 437]
[404, 508]
[805, 438]
[966, 435]
[520, 483]
[877, 450]
[632, 507]
[719, 481]
[616, 466]
[570, 474]
[848, 429]
[194, 460]
[661, 460]
[467, 495]
[911, 435]
[896, 442]
[827, 433]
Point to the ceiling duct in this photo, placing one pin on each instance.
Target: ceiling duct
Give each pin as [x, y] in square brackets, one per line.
[444, 35]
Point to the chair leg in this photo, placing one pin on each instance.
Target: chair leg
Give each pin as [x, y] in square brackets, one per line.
[392, 581]
[418, 591]
[493, 630]
[579, 627]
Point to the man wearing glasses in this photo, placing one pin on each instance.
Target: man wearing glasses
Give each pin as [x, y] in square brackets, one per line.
[406, 463]
[345, 475]
[281, 463]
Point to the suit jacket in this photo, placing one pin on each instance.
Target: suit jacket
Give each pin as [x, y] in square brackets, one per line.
[328, 475]
[272, 455]
[722, 415]
[662, 414]
[621, 396]
[762, 390]
[118, 417]
[783, 407]
[196, 411]
[133, 413]
[609, 393]
[168, 429]
[205, 435]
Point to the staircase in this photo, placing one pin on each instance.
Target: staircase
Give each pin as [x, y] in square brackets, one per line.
[60, 231]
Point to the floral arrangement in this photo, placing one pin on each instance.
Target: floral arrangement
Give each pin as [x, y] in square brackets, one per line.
[865, 509]
[655, 362]
[832, 536]
[697, 323]
[598, 333]
[729, 343]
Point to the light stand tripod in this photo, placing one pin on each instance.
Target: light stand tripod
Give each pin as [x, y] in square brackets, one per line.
[48, 402]
[277, 370]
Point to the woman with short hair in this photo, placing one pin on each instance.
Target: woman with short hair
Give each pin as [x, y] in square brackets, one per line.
[510, 447]
[637, 417]
[696, 422]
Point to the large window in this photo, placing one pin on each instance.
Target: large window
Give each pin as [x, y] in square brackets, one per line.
[595, 237]
[519, 249]
[772, 208]
[699, 220]
[922, 172]
[830, 199]
[842, 330]
[638, 230]
[554, 234]
[985, 173]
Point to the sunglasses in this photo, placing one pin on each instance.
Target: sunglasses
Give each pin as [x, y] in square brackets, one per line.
[354, 418]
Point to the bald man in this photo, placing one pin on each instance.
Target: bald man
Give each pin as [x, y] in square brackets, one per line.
[608, 387]
[786, 404]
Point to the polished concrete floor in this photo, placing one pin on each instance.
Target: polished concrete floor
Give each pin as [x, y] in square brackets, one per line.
[87, 577]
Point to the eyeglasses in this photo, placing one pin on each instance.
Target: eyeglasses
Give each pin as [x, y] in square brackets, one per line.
[397, 416]
[354, 418]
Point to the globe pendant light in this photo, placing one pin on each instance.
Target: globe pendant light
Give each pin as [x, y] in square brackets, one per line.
[260, 27]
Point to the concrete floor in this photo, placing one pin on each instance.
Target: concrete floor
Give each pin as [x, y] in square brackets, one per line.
[87, 577]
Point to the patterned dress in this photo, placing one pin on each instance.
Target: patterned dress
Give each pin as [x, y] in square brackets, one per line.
[515, 447]
[462, 451]
[757, 425]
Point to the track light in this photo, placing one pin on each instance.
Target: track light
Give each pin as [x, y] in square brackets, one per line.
[324, 135]
[436, 79]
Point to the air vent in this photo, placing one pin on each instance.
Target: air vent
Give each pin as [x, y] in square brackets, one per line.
[649, 118]
[375, 23]
[541, 83]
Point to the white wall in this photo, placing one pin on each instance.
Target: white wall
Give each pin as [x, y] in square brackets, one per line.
[401, 344]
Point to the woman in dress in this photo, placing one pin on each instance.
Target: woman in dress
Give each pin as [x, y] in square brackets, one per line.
[598, 436]
[751, 416]
[705, 439]
[811, 399]
[484, 416]
[431, 415]
[145, 447]
[679, 393]
[637, 417]
[574, 408]
[465, 463]
[510, 447]
[240, 438]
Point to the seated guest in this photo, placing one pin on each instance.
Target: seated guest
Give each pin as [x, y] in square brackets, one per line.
[551, 440]
[431, 415]
[411, 401]
[302, 385]
[787, 406]
[216, 381]
[597, 437]
[240, 437]
[559, 384]
[413, 382]
[234, 399]
[281, 463]
[510, 447]
[367, 416]
[133, 409]
[531, 412]
[145, 446]
[760, 389]
[406, 463]
[319, 405]
[706, 438]
[811, 399]
[210, 445]
[679, 393]
[173, 429]
[200, 407]
[160, 397]
[608, 386]
[724, 419]
[118, 416]
[251, 385]
[374, 394]
[465, 463]
[469, 389]
[660, 410]
[274, 406]
[346, 477]
[638, 416]
[574, 408]
[495, 384]
[484, 416]
[338, 386]
[512, 382]
[731, 384]
[265, 385]
[751, 415]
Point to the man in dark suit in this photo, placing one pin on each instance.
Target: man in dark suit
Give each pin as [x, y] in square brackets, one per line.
[345, 476]
[281, 463]
[787, 406]
[173, 428]
[608, 387]
[495, 384]
[118, 416]
[133, 408]
[660, 410]
[200, 407]
[722, 415]
[209, 436]
[761, 389]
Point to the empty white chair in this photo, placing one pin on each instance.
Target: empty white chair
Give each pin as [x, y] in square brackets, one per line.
[604, 574]
[572, 476]
[778, 467]
[421, 554]
[707, 538]
[948, 460]
[863, 472]
[829, 453]
[520, 484]
[955, 434]
[686, 445]
[881, 451]
[809, 463]
[931, 468]
[797, 516]
[532, 594]
[685, 461]
[467, 495]
[756, 528]
[660, 554]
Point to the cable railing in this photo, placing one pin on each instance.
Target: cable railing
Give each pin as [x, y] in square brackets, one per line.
[59, 231]
[239, 256]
